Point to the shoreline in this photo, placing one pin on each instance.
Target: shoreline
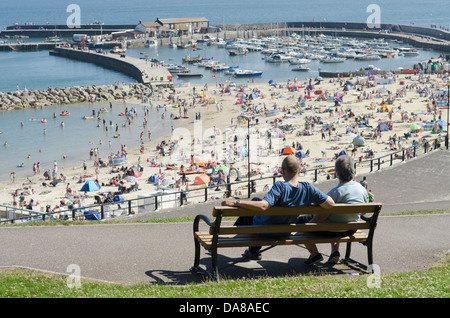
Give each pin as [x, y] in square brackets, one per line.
[219, 117]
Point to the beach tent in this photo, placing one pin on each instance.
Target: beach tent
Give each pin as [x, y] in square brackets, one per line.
[90, 185]
[134, 171]
[342, 153]
[383, 127]
[118, 198]
[202, 179]
[278, 133]
[198, 162]
[288, 150]
[415, 127]
[131, 179]
[358, 141]
[301, 154]
[385, 108]
[92, 215]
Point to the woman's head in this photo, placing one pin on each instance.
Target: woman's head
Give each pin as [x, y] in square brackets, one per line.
[344, 168]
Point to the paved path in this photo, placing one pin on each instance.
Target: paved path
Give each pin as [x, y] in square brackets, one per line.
[132, 253]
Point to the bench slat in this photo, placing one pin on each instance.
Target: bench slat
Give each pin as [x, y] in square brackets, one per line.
[285, 228]
[339, 208]
[243, 240]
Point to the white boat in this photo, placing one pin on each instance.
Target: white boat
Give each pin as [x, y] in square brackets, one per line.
[277, 58]
[118, 50]
[367, 57]
[297, 61]
[151, 43]
[221, 43]
[247, 73]
[332, 60]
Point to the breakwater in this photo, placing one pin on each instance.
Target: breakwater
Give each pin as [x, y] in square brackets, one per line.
[143, 71]
[42, 31]
[421, 37]
[70, 95]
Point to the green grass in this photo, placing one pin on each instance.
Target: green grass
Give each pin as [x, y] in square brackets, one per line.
[431, 283]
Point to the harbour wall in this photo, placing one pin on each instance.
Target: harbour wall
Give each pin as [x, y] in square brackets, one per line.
[104, 60]
[43, 31]
[136, 68]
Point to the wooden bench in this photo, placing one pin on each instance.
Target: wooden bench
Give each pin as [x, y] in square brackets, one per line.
[221, 234]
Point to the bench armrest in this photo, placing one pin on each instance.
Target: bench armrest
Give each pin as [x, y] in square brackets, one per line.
[204, 218]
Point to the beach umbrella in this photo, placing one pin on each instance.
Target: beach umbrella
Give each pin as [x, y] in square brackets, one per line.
[90, 185]
[201, 179]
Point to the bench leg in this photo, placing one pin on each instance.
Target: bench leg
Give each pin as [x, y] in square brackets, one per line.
[196, 257]
[348, 250]
[369, 252]
[215, 267]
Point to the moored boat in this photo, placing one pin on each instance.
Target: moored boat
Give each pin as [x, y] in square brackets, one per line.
[184, 75]
[301, 69]
[247, 73]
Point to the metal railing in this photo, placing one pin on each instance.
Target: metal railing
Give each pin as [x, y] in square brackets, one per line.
[169, 198]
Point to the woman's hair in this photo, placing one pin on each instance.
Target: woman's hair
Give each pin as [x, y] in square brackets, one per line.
[291, 165]
[344, 168]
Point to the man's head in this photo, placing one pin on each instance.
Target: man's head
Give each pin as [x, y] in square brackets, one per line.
[344, 168]
[290, 167]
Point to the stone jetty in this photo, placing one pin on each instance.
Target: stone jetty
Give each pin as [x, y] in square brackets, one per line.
[143, 71]
[71, 95]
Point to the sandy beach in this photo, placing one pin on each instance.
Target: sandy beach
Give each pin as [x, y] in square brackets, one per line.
[299, 118]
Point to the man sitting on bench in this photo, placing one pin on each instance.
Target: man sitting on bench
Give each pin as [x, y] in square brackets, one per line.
[287, 193]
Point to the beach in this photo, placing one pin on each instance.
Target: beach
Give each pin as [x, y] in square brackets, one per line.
[316, 119]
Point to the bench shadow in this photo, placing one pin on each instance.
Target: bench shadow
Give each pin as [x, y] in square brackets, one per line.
[237, 268]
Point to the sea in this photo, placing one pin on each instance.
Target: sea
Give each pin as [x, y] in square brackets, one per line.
[34, 141]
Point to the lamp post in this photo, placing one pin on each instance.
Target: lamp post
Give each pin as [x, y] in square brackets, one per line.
[448, 104]
[248, 152]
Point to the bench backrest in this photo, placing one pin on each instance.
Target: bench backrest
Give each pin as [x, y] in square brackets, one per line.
[364, 209]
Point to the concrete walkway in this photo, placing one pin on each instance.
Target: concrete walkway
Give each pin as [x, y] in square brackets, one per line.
[149, 253]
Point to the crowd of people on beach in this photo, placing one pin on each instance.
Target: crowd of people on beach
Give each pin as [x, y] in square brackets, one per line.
[311, 124]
